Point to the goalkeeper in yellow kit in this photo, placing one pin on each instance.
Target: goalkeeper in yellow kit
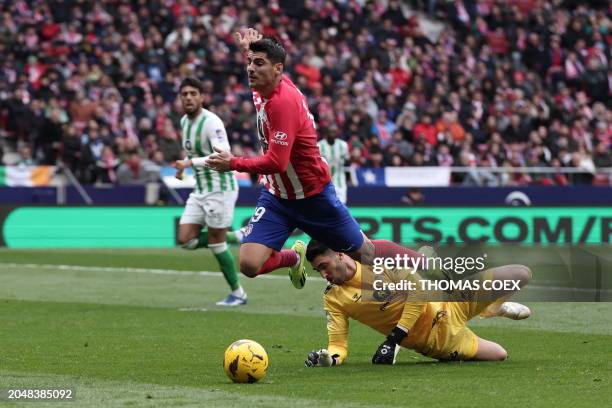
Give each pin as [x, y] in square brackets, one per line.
[434, 329]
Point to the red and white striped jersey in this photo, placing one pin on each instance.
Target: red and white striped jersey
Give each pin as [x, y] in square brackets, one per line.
[291, 166]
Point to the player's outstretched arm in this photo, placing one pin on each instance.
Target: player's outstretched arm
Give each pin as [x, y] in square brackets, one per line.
[267, 164]
[337, 335]
[284, 120]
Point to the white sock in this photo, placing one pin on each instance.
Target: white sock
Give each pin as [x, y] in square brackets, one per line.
[239, 235]
[218, 248]
[493, 309]
[239, 292]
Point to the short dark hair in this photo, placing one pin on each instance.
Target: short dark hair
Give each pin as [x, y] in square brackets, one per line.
[273, 49]
[193, 82]
[314, 249]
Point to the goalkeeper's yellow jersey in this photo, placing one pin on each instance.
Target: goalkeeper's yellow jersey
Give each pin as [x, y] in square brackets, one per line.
[436, 329]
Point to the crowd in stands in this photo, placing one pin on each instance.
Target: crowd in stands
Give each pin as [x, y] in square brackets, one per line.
[473, 83]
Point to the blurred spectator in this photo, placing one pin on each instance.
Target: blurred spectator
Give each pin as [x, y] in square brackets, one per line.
[602, 156]
[383, 128]
[72, 151]
[106, 167]
[424, 129]
[449, 128]
[414, 196]
[92, 147]
[169, 145]
[157, 158]
[583, 161]
[444, 158]
[136, 170]
[49, 141]
[81, 110]
[25, 156]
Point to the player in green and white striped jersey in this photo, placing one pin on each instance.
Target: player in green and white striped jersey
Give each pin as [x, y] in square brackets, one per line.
[211, 204]
[335, 152]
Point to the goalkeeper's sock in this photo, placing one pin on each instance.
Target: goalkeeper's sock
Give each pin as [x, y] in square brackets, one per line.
[284, 258]
[514, 311]
[492, 310]
[511, 310]
[226, 263]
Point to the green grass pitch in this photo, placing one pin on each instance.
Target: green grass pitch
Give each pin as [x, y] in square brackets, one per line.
[123, 331]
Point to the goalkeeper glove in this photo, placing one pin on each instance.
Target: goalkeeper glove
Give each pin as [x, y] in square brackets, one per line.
[387, 351]
[320, 358]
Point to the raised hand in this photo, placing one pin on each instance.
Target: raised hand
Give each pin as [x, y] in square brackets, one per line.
[245, 37]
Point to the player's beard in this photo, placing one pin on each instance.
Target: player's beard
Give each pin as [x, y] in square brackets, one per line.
[340, 276]
[253, 83]
[193, 108]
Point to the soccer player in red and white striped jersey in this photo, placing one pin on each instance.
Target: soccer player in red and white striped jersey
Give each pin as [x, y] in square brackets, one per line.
[286, 130]
[299, 192]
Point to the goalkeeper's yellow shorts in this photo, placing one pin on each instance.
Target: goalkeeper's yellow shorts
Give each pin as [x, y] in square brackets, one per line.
[449, 337]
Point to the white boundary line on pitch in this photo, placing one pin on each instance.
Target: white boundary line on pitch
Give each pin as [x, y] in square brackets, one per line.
[131, 270]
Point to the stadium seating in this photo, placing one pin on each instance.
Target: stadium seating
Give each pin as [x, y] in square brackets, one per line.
[492, 84]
